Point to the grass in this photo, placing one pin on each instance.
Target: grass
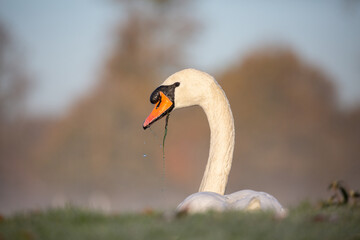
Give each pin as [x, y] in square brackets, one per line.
[303, 222]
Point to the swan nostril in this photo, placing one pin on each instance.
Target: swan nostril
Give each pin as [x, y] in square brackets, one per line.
[158, 105]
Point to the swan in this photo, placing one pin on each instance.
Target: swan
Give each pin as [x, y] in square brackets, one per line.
[191, 87]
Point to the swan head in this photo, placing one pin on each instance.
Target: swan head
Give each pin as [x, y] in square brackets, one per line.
[164, 99]
[182, 89]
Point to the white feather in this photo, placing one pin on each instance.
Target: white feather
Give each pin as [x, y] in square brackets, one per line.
[199, 88]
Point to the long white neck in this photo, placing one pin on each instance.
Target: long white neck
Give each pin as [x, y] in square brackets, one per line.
[222, 140]
[199, 88]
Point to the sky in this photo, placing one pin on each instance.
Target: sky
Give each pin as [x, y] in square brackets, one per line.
[65, 42]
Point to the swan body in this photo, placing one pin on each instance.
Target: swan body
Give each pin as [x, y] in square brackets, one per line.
[191, 87]
[241, 200]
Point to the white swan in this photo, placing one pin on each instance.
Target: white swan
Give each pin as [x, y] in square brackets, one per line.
[191, 87]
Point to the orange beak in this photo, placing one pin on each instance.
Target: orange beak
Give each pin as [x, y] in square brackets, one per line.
[161, 109]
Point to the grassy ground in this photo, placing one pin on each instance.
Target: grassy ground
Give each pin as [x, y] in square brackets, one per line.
[303, 222]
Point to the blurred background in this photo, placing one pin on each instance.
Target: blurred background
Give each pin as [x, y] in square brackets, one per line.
[75, 81]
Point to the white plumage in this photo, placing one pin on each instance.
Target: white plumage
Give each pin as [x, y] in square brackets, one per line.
[241, 200]
[199, 88]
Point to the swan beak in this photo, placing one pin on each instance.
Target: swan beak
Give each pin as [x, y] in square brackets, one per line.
[162, 107]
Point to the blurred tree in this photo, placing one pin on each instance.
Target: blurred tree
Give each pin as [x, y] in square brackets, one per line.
[14, 81]
[100, 145]
[151, 39]
[287, 123]
[17, 133]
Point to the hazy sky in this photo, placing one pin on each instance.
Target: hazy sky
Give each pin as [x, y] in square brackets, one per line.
[65, 41]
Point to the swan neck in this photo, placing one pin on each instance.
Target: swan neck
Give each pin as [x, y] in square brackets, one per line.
[222, 140]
